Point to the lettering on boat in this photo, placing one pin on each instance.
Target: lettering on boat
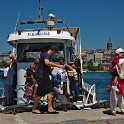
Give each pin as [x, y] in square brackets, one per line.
[37, 34]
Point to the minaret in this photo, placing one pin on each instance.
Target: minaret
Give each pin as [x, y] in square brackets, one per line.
[109, 45]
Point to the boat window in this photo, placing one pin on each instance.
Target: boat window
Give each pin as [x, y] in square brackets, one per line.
[27, 52]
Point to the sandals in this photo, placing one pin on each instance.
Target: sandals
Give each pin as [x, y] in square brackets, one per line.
[37, 112]
[54, 112]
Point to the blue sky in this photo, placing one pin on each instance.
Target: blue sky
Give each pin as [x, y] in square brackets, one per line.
[98, 20]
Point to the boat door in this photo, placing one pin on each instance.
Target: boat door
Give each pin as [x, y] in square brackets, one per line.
[27, 52]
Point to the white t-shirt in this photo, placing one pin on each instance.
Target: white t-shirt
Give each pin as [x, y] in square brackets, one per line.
[63, 75]
[121, 60]
[9, 72]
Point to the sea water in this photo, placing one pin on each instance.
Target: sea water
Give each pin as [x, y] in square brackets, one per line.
[100, 79]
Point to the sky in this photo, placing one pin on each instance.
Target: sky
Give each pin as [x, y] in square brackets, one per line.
[98, 20]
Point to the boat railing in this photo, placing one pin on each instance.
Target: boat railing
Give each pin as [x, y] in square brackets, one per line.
[91, 90]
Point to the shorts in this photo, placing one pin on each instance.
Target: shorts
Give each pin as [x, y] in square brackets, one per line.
[113, 72]
[44, 86]
[56, 91]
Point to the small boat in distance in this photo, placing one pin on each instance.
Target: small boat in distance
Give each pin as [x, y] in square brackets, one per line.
[30, 42]
[84, 71]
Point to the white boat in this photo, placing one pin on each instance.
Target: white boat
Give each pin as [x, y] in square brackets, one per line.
[30, 42]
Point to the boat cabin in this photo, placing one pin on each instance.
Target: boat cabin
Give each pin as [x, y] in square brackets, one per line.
[29, 43]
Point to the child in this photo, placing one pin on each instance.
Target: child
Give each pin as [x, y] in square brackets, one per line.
[115, 65]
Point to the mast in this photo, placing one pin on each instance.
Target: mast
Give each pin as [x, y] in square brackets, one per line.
[40, 11]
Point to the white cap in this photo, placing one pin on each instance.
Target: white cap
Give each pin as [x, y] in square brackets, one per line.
[119, 50]
[59, 72]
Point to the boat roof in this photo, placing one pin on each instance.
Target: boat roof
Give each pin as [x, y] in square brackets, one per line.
[67, 32]
[73, 30]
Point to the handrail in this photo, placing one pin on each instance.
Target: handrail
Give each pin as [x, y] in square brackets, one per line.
[93, 86]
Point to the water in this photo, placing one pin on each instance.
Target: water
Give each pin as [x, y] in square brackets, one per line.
[101, 79]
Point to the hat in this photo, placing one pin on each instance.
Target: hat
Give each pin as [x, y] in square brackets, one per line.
[119, 50]
[59, 72]
[54, 47]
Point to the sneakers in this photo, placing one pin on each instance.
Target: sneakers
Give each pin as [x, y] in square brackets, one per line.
[115, 88]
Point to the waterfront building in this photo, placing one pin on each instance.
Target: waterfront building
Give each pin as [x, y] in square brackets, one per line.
[4, 57]
[98, 57]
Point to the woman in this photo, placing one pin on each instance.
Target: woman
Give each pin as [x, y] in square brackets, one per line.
[76, 66]
[30, 84]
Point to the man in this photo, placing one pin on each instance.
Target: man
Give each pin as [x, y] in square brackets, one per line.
[8, 82]
[43, 80]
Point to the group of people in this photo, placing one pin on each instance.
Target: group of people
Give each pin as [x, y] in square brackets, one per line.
[116, 87]
[39, 83]
[67, 82]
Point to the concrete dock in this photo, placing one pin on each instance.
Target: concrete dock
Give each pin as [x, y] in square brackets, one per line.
[92, 116]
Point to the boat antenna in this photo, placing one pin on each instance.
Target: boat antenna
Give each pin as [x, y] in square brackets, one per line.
[16, 26]
[40, 11]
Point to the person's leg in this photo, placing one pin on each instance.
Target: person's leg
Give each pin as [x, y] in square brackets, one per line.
[113, 101]
[36, 101]
[121, 102]
[65, 92]
[77, 88]
[57, 98]
[10, 95]
[115, 80]
[115, 84]
[49, 98]
[72, 88]
[39, 96]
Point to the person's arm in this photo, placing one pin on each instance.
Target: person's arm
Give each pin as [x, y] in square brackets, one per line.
[73, 65]
[51, 64]
[68, 67]
[5, 74]
[119, 68]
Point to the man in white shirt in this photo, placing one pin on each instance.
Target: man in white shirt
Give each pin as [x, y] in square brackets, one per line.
[8, 81]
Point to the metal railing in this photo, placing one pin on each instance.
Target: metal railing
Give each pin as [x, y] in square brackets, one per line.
[91, 91]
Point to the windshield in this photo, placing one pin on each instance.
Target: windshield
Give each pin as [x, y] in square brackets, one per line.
[27, 52]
